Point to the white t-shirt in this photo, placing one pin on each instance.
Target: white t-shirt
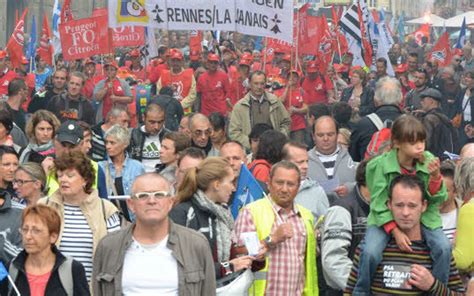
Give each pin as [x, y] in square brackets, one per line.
[151, 152]
[149, 270]
[450, 221]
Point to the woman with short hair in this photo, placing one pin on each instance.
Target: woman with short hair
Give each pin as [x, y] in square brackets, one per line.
[40, 268]
[86, 217]
[40, 130]
[29, 183]
[120, 170]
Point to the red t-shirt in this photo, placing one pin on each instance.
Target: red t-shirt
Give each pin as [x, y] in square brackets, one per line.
[214, 89]
[155, 70]
[316, 91]
[295, 99]
[38, 283]
[89, 86]
[237, 90]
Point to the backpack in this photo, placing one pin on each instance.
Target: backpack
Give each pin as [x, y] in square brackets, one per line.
[64, 271]
[381, 137]
[444, 138]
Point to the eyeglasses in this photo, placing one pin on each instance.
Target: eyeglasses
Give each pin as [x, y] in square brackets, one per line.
[34, 231]
[21, 182]
[148, 195]
[198, 133]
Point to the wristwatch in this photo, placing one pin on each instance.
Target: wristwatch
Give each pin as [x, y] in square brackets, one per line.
[268, 241]
[228, 267]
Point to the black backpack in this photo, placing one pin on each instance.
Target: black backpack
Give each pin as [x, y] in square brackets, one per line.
[445, 138]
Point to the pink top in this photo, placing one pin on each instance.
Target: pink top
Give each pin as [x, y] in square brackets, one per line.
[38, 283]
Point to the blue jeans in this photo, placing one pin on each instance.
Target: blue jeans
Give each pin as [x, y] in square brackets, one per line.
[371, 255]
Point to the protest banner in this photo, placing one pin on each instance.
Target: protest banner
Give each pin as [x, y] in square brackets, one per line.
[17, 41]
[128, 36]
[268, 18]
[84, 37]
[45, 49]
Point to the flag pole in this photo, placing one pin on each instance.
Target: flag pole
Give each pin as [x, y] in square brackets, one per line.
[265, 55]
[13, 285]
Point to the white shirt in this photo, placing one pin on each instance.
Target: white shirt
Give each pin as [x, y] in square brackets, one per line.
[151, 152]
[450, 221]
[466, 105]
[149, 270]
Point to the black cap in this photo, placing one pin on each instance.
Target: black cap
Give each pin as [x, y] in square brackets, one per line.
[70, 132]
[432, 93]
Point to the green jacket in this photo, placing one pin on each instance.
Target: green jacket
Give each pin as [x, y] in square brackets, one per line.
[379, 174]
[240, 124]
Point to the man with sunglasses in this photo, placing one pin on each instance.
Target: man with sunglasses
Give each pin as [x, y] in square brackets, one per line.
[153, 256]
[200, 128]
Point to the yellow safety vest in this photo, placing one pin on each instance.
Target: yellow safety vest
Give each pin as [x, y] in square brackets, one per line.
[263, 216]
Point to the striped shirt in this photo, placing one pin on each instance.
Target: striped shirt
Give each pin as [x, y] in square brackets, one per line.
[450, 221]
[394, 270]
[329, 162]
[77, 239]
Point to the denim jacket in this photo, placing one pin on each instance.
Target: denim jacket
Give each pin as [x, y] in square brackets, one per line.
[131, 169]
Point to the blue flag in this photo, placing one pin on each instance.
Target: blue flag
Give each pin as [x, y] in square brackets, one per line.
[56, 20]
[401, 27]
[31, 49]
[462, 35]
[248, 190]
[3, 272]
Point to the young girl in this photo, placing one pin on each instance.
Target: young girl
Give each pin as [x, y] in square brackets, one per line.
[407, 156]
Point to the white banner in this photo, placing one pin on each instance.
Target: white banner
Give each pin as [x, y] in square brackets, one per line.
[268, 18]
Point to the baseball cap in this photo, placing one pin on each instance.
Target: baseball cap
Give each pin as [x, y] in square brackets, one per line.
[176, 55]
[24, 60]
[89, 61]
[212, 57]
[194, 55]
[432, 93]
[70, 132]
[111, 64]
[402, 68]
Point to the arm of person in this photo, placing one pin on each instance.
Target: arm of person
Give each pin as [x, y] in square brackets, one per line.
[235, 127]
[463, 252]
[126, 98]
[285, 122]
[377, 183]
[335, 243]
[422, 278]
[209, 283]
[302, 110]
[188, 101]
[100, 90]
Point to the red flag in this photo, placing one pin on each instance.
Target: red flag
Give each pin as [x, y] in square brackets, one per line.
[325, 43]
[195, 39]
[17, 41]
[423, 31]
[66, 12]
[45, 49]
[307, 31]
[84, 37]
[366, 46]
[442, 51]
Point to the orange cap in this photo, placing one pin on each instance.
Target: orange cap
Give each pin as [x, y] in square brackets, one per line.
[212, 57]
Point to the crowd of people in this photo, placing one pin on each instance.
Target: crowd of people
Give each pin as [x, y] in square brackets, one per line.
[117, 174]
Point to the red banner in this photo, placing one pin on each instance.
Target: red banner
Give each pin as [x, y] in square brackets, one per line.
[84, 38]
[128, 36]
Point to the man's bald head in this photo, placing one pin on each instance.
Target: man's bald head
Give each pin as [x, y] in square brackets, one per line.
[467, 151]
[150, 182]
[200, 128]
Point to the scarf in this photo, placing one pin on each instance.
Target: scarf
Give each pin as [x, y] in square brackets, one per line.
[44, 150]
[224, 224]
